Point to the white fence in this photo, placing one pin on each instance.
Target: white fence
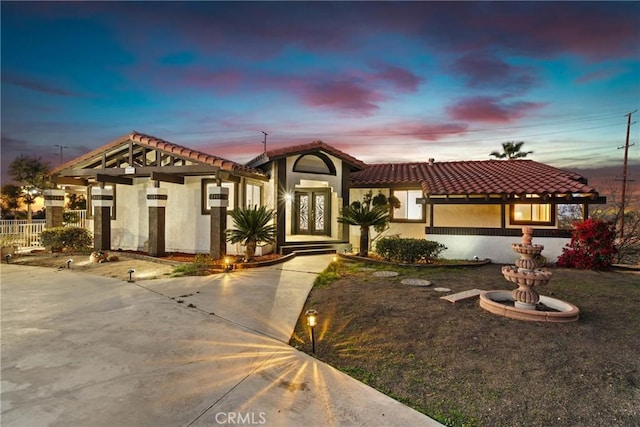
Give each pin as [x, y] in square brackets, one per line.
[76, 218]
[17, 232]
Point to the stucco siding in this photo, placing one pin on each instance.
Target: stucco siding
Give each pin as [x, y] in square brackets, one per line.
[496, 248]
[466, 215]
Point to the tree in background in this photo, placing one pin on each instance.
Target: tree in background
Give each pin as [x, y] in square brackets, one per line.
[11, 195]
[373, 211]
[29, 172]
[511, 150]
[628, 246]
[76, 202]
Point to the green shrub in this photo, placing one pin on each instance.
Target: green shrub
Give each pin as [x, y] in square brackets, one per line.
[408, 251]
[74, 239]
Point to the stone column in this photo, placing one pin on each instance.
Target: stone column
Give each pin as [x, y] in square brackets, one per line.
[102, 202]
[156, 201]
[218, 200]
[54, 204]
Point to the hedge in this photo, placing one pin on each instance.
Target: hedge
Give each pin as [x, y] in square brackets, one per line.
[408, 251]
[75, 239]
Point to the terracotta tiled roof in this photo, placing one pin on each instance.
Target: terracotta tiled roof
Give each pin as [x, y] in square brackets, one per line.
[166, 146]
[475, 177]
[198, 156]
[307, 148]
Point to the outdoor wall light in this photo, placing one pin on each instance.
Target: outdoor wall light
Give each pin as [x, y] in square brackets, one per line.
[69, 261]
[287, 197]
[312, 321]
[7, 257]
[131, 271]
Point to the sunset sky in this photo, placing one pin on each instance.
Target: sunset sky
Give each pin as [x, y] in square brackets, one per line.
[385, 82]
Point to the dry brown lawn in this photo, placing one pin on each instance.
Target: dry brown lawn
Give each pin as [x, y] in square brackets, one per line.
[464, 366]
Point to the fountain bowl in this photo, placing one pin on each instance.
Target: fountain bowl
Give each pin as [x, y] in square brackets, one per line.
[500, 303]
[527, 249]
[518, 276]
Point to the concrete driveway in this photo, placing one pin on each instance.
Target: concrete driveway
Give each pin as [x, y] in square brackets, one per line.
[80, 350]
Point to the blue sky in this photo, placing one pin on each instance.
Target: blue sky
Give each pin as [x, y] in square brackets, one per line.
[384, 82]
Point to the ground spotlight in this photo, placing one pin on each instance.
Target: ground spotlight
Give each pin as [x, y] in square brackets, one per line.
[312, 321]
[7, 257]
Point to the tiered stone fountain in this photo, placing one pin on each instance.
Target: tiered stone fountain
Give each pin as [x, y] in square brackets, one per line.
[525, 303]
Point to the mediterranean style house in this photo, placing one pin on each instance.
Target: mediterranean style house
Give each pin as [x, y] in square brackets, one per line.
[148, 194]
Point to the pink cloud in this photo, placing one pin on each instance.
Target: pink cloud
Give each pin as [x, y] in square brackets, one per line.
[401, 78]
[599, 75]
[490, 109]
[342, 95]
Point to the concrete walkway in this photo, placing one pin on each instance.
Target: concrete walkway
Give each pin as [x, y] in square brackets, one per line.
[80, 350]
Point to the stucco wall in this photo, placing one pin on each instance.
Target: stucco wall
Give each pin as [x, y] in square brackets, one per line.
[496, 248]
[466, 215]
[186, 230]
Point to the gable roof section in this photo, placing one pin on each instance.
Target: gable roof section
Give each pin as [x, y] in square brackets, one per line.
[312, 147]
[151, 142]
[510, 177]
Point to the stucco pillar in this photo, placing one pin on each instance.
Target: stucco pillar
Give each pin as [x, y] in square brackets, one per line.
[102, 202]
[54, 204]
[157, 201]
[218, 200]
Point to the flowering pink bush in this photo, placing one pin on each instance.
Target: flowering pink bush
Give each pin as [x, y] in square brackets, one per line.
[592, 246]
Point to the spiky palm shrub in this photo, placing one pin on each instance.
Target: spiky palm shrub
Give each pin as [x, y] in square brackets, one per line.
[252, 228]
[364, 216]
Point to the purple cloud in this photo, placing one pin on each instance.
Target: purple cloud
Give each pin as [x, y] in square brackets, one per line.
[490, 109]
[400, 78]
[38, 86]
[345, 95]
[486, 70]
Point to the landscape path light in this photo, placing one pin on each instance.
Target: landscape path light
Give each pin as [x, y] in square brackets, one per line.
[69, 261]
[7, 257]
[227, 264]
[131, 271]
[312, 321]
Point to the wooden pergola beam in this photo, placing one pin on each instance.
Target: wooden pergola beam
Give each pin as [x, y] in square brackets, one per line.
[165, 177]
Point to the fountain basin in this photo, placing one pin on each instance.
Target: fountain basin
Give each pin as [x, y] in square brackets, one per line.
[500, 303]
[527, 249]
[526, 277]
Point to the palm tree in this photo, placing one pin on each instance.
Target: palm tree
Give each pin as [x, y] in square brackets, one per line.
[365, 216]
[252, 228]
[511, 150]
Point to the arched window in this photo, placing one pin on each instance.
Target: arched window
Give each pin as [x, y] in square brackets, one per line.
[318, 163]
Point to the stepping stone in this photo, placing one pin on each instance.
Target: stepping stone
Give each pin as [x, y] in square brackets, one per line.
[366, 269]
[416, 282]
[442, 289]
[453, 298]
[385, 274]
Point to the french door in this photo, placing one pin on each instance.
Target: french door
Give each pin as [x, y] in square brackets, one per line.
[312, 212]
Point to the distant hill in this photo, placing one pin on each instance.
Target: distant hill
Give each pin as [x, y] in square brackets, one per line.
[608, 181]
